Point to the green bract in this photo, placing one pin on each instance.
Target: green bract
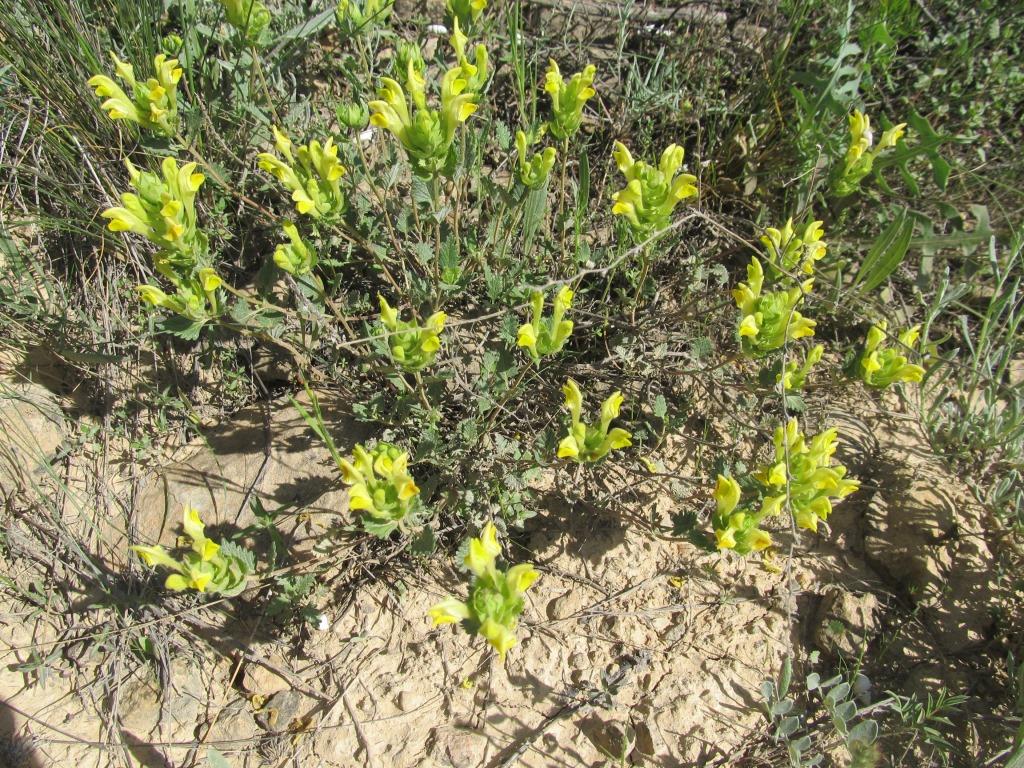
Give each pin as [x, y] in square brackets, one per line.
[413, 347]
[295, 257]
[651, 193]
[313, 177]
[546, 336]
[465, 11]
[196, 296]
[812, 481]
[769, 320]
[426, 134]
[587, 444]
[353, 115]
[495, 596]
[163, 210]
[355, 16]
[860, 156]
[381, 487]
[879, 367]
[152, 104]
[794, 374]
[250, 17]
[739, 529]
[567, 99]
[210, 567]
[534, 170]
[790, 253]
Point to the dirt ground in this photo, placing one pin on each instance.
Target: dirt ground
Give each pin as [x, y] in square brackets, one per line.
[625, 632]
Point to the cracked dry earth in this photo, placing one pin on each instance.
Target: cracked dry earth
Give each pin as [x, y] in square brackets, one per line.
[624, 631]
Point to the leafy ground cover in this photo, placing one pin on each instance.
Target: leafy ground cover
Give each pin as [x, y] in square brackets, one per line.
[510, 383]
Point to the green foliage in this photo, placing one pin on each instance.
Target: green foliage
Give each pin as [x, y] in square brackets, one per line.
[413, 347]
[567, 99]
[381, 487]
[769, 320]
[153, 104]
[544, 336]
[210, 567]
[803, 475]
[879, 366]
[313, 175]
[589, 443]
[651, 193]
[250, 17]
[495, 595]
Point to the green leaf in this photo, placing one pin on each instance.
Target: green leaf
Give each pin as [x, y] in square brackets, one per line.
[927, 143]
[533, 215]
[182, 327]
[214, 759]
[887, 252]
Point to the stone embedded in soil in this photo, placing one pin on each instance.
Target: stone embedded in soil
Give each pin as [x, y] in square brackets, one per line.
[268, 453]
[32, 429]
[845, 621]
[280, 711]
[259, 679]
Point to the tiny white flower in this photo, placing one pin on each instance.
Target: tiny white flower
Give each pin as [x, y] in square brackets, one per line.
[324, 623]
[365, 137]
[437, 29]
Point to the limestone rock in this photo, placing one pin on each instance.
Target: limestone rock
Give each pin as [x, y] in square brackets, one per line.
[32, 426]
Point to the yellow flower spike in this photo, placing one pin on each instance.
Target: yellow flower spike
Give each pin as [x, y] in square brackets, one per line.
[194, 527]
[568, 448]
[567, 99]
[623, 158]
[591, 443]
[310, 174]
[526, 337]
[521, 577]
[208, 566]
[861, 153]
[610, 408]
[152, 105]
[449, 611]
[651, 192]
[882, 366]
[177, 583]
[156, 555]
[380, 486]
[726, 538]
[573, 400]
[152, 295]
[760, 540]
[499, 636]
[210, 280]
[726, 495]
[207, 549]
[749, 326]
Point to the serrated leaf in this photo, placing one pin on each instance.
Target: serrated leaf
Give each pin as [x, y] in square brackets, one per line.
[182, 327]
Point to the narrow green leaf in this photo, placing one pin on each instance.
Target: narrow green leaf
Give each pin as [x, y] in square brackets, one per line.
[887, 252]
